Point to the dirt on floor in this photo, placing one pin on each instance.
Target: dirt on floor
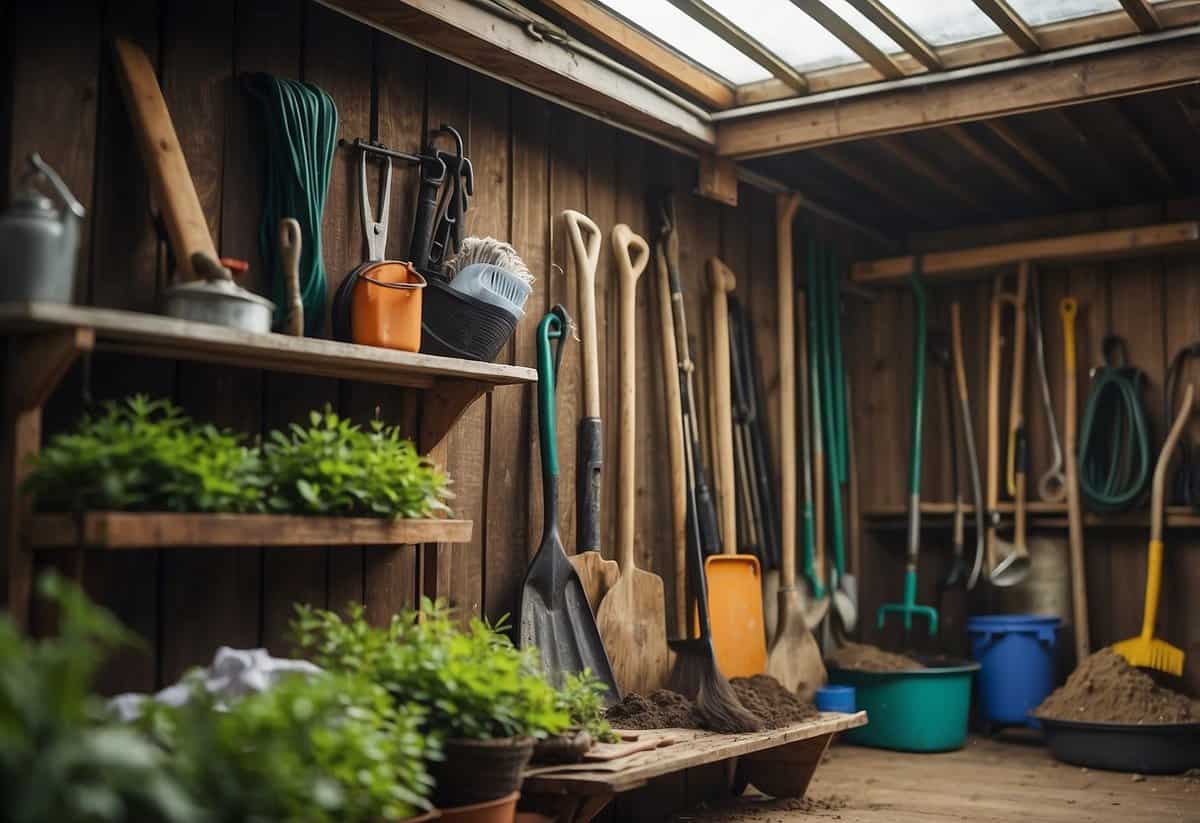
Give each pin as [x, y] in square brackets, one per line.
[867, 658]
[762, 694]
[1106, 689]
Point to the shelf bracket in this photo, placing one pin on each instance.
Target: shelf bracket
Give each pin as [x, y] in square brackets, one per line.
[35, 364]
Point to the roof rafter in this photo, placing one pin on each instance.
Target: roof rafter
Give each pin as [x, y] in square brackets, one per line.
[1010, 23]
[1141, 144]
[918, 165]
[851, 36]
[1032, 156]
[834, 158]
[1143, 14]
[898, 30]
[646, 52]
[989, 158]
[737, 37]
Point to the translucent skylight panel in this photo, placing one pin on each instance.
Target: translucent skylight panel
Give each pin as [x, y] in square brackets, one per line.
[796, 37]
[943, 22]
[685, 35]
[1043, 12]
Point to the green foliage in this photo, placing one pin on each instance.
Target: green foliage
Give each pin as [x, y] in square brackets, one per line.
[323, 750]
[147, 455]
[334, 467]
[59, 759]
[582, 698]
[473, 683]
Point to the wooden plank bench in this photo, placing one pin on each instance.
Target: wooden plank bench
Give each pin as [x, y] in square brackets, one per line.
[783, 759]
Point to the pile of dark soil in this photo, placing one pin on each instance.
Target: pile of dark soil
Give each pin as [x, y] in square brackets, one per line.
[768, 700]
[661, 709]
[1106, 689]
[867, 658]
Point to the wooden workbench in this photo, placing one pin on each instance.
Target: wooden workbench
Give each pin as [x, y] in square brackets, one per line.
[577, 793]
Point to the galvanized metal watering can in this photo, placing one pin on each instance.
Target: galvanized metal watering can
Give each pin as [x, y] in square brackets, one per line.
[38, 243]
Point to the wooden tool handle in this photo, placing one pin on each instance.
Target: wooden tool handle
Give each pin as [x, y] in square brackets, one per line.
[722, 282]
[586, 253]
[290, 243]
[170, 181]
[786, 206]
[674, 409]
[1079, 607]
[993, 418]
[1158, 488]
[629, 269]
[1016, 397]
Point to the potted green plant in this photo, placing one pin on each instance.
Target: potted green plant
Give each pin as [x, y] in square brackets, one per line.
[581, 696]
[325, 749]
[486, 699]
[61, 759]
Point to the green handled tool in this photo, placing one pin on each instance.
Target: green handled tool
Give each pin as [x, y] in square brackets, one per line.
[909, 606]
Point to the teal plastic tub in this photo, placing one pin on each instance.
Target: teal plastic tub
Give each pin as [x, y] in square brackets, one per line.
[923, 710]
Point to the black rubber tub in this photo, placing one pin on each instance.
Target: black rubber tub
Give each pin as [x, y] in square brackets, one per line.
[1122, 747]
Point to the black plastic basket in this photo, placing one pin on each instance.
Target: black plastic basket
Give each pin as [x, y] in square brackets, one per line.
[458, 325]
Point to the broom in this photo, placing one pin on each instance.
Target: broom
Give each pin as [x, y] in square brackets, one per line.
[695, 674]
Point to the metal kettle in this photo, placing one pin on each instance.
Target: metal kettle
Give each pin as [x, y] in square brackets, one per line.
[39, 243]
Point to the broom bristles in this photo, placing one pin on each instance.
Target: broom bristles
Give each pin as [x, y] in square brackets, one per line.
[697, 678]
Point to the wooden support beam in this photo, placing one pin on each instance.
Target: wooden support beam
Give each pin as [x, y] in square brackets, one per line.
[921, 167]
[1011, 24]
[1054, 82]
[834, 158]
[1141, 144]
[999, 166]
[1032, 156]
[737, 37]
[650, 55]
[851, 36]
[1142, 13]
[467, 33]
[898, 30]
[717, 179]
[1102, 245]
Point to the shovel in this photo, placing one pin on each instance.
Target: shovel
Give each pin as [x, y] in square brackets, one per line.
[734, 580]
[554, 614]
[632, 617]
[597, 574]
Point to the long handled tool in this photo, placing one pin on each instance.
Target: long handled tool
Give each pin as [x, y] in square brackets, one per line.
[1145, 649]
[1079, 607]
[597, 574]
[632, 617]
[665, 249]
[908, 607]
[1052, 486]
[968, 429]
[734, 580]
[956, 577]
[553, 613]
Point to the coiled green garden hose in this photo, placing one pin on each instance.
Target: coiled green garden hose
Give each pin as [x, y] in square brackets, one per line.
[1114, 438]
[300, 133]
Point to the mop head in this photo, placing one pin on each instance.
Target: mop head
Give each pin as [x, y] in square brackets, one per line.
[492, 251]
[697, 678]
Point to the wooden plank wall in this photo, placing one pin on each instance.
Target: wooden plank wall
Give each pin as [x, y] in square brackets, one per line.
[532, 159]
[1152, 303]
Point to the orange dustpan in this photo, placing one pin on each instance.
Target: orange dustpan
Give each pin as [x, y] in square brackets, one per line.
[734, 580]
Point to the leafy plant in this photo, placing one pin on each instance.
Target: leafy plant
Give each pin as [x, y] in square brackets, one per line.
[314, 750]
[473, 683]
[582, 698]
[334, 467]
[147, 455]
[59, 759]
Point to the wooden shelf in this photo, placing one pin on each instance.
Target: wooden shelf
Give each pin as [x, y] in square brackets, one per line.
[153, 335]
[144, 530]
[937, 515]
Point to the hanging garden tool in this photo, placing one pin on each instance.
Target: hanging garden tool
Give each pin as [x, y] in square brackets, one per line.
[1052, 486]
[553, 613]
[956, 575]
[968, 430]
[290, 247]
[1184, 487]
[632, 616]
[1079, 608]
[666, 249]
[734, 580]
[597, 574]
[1114, 442]
[1013, 567]
[1147, 650]
[439, 224]
[908, 608]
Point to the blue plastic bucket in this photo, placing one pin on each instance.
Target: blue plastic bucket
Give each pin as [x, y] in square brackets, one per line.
[1016, 653]
[835, 699]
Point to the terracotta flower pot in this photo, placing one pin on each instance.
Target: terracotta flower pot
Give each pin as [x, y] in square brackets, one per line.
[479, 771]
[500, 810]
